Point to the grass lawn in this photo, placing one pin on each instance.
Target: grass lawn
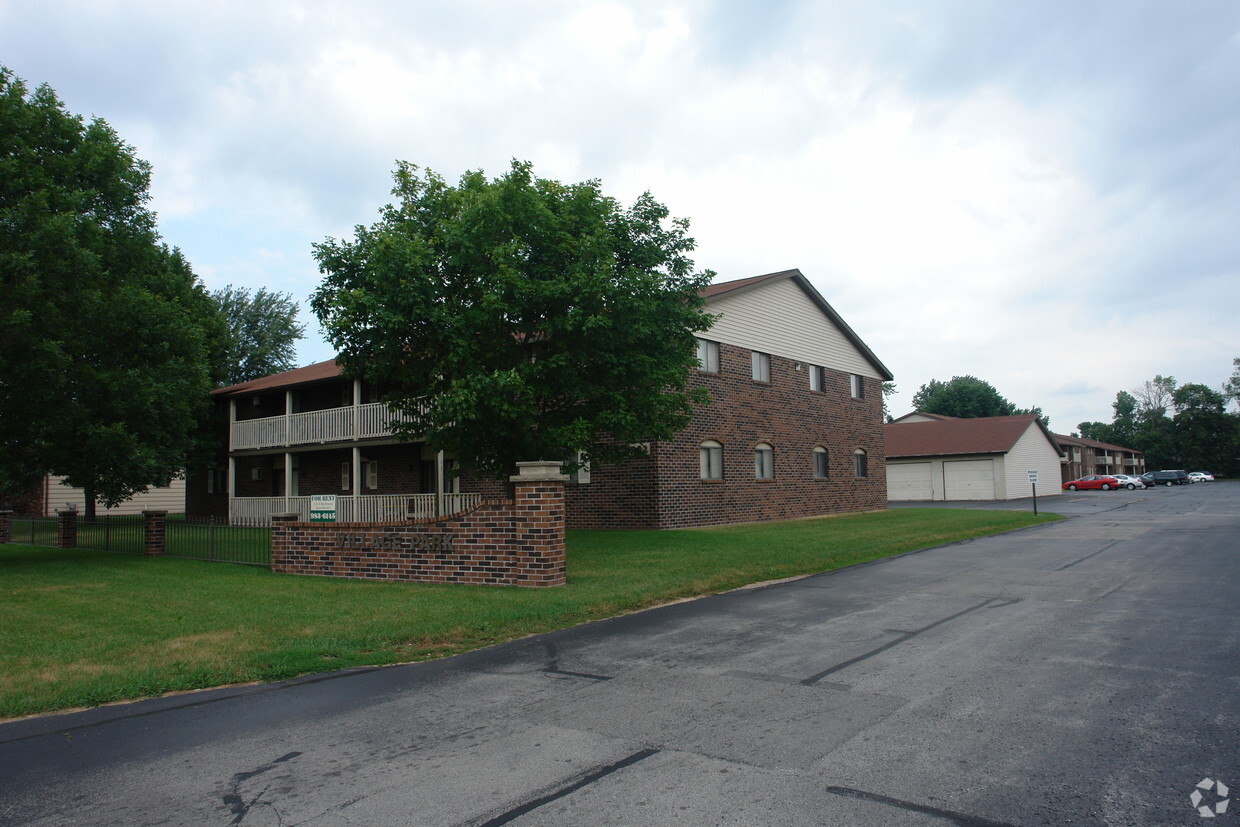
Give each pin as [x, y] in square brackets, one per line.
[83, 628]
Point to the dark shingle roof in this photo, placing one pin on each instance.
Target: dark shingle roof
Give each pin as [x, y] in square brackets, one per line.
[981, 435]
[297, 376]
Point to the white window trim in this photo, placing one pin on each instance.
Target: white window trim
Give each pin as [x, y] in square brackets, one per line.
[816, 378]
[710, 460]
[763, 461]
[708, 356]
[820, 451]
[761, 366]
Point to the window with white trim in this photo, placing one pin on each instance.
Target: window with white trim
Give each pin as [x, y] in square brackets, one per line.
[815, 378]
[857, 386]
[711, 458]
[763, 461]
[860, 466]
[761, 367]
[371, 472]
[708, 356]
[821, 467]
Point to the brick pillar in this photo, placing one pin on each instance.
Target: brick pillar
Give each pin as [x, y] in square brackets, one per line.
[538, 545]
[280, 539]
[154, 533]
[6, 529]
[66, 528]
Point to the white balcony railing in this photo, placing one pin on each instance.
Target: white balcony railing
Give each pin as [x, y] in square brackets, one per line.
[368, 508]
[333, 425]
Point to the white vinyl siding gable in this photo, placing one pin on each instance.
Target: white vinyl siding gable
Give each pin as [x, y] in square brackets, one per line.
[1033, 451]
[170, 498]
[802, 332]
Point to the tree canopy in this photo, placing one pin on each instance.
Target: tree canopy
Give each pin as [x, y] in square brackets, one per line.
[968, 397]
[1176, 426]
[107, 340]
[262, 332]
[519, 318]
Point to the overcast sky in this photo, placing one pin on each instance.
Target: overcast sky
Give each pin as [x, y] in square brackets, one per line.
[1045, 195]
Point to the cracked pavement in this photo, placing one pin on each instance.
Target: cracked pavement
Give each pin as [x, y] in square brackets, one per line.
[1084, 671]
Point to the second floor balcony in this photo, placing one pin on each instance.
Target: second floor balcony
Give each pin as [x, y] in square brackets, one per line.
[370, 421]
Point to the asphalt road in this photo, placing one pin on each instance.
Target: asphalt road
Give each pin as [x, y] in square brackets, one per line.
[1082, 672]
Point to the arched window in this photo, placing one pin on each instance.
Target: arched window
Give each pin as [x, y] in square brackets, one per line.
[711, 457]
[860, 468]
[763, 461]
[821, 467]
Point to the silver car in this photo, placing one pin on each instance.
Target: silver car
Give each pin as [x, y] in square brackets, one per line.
[1130, 482]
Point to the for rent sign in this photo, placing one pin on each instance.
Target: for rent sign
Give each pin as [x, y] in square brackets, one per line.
[323, 508]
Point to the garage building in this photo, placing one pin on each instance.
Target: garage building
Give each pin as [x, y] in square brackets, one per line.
[933, 457]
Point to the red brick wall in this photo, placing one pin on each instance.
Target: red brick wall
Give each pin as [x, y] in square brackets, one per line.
[517, 542]
[617, 496]
[790, 417]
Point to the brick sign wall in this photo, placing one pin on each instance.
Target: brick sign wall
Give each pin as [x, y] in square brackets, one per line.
[517, 542]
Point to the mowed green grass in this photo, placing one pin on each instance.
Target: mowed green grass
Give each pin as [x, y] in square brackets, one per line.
[83, 628]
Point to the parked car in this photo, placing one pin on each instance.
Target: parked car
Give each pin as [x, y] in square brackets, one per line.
[1093, 481]
[1130, 482]
[1201, 476]
[1167, 478]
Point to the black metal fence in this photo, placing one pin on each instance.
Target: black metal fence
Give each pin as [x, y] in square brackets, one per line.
[126, 534]
[35, 531]
[218, 542]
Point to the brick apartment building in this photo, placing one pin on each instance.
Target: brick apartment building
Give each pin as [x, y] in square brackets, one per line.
[1089, 456]
[794, 429]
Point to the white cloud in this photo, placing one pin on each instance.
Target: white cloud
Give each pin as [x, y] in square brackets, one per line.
[1022, 193]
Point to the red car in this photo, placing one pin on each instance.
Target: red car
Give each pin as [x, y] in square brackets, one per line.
[1093, 481]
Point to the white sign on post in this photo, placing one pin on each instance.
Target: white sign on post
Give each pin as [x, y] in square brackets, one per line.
[1033, 477]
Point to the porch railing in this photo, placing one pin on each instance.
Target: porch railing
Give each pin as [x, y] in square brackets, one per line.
[368, 508]
[367, 421]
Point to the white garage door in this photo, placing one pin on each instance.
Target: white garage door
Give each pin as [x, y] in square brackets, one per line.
[969, 479]
[909, 481]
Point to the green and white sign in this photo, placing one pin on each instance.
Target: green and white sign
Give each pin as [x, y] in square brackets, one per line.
[323, 508]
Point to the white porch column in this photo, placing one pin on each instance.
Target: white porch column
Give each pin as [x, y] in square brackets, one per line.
[357, 471]
[288, 480]
[288, 422]
[439, 484]
[357, 408]
[232, 480]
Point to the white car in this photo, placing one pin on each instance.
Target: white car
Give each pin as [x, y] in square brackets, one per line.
[1129, 482]
[1201, 476]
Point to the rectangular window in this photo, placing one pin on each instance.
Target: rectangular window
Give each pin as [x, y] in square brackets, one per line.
[858, 387]
[859, 463]
[711, 458]
[346, 477]
[708, 356]
[372, 474]
[820, 463]
[761, 367]
[815, 378]
[582, 475]
[217, 480]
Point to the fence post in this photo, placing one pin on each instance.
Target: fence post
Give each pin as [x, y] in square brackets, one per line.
[154, 532]
[6, 530]
[538, 539]
[66, 528]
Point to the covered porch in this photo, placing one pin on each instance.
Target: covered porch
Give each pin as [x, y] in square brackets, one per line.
[366, 508]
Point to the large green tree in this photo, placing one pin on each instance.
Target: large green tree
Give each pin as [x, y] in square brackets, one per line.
[262, 332]
[519, 318]
[1205, 434]
[968, 397]
[106, 337]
